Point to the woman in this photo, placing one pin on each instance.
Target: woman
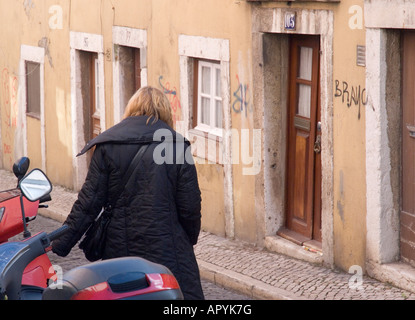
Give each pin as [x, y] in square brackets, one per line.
[159, 217]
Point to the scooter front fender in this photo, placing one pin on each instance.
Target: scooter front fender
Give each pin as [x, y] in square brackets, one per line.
[39, 272]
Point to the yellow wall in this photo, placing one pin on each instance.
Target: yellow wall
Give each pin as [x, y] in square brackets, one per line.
[213, 213]
[9, 66]
[28, 22]
[349, 138]
[164, 22]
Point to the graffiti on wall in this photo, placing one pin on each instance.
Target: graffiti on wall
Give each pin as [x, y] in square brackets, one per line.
[242, 99]
[9, 87]
[174, 100]
[350, 95]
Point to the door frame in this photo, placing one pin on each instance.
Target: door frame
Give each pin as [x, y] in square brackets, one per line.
[133, 38]
[80, 41]
[270, 56]
[408, 119]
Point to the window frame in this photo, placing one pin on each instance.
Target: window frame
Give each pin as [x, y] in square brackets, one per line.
[208, 128]
[37, 55]
[212, 145]
[97, 86]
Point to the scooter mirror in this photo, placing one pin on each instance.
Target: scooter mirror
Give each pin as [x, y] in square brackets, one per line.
[20, 167]
[35, 185]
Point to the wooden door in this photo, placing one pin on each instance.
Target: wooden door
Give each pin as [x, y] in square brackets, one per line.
[90, 96]
[129, 74]
[407, 215]
[137, 69]
[303, 206]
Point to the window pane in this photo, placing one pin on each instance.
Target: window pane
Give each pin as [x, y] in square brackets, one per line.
[97, 102]
[304, 98]
[306, 63]
[205, 80]
[205, 111]
[209, 95]
[218, 120]
[217, 83]
[33, 88]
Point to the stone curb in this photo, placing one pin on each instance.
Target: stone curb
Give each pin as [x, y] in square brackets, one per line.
[243, 284]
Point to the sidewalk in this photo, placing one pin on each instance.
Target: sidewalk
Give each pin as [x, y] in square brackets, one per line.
[254, 271]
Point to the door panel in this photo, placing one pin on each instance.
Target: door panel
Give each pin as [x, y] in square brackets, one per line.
[137, 69]
[90, 96]
[129, 74]
[303, 167]
[300, 177]
[407, 215]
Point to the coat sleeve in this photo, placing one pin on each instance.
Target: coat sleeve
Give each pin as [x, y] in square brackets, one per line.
[188, 201]
[86, 208]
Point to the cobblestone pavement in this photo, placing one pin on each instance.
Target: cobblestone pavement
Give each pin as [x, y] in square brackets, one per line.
[275, 276]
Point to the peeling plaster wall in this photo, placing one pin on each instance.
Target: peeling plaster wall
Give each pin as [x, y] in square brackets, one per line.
[383, 138]
[389, 14]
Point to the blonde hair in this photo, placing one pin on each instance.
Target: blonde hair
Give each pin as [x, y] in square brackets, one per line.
[151, 102]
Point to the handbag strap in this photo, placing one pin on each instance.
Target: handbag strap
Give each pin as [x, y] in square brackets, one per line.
[130, 170]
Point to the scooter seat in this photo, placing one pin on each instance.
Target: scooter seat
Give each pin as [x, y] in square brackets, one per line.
[120, 275]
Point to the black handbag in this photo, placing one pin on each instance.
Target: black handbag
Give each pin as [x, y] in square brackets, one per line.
[93, 243]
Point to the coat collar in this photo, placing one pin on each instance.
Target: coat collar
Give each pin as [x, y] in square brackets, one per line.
[134, 130]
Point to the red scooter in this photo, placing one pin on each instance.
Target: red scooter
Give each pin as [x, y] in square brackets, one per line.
[26, 272]
[16, 211]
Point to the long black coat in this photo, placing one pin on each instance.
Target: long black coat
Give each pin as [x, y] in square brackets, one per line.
[158, 216]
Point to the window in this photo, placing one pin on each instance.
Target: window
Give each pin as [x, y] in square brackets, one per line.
[33, 88]
[32, 104]
[205, 97]
[96, 84]
[208, 107]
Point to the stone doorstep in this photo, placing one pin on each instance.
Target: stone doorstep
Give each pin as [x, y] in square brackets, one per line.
[397, 274]
[283, 246]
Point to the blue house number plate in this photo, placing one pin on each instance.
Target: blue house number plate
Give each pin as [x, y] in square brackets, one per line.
[289, 23]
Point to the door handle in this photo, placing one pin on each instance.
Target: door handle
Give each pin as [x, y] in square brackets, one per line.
[411, 130]
[317, 144]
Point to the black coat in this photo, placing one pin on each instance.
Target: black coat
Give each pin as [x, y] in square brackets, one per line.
[158, 215]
